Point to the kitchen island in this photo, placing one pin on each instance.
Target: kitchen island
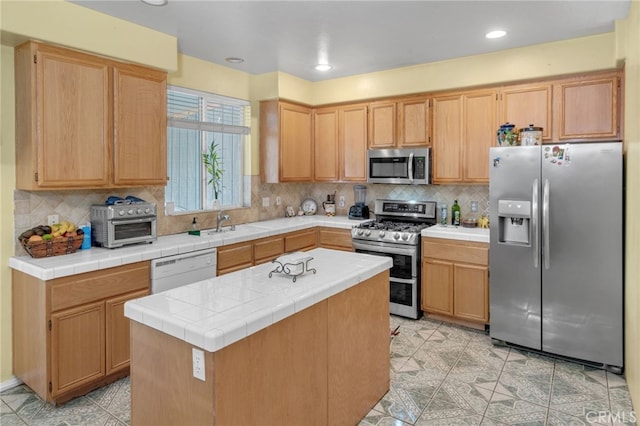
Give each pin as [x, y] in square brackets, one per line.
[274, 351]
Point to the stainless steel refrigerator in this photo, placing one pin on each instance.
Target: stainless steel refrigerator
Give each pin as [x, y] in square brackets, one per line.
[556, 253]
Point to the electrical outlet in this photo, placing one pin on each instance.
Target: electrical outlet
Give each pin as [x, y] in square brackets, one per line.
[265, 201]
[198, 364]
[341, 202]
[474, 206]
[278, 201]
[53, 218]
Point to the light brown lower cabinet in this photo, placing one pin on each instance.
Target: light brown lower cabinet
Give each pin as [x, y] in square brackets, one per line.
[455, 279]
[70, 334]
[234, 257]
[335, 238]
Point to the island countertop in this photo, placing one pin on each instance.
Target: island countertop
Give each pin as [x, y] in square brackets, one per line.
[217, 312]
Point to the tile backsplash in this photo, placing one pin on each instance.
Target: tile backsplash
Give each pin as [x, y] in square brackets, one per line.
[32, 208]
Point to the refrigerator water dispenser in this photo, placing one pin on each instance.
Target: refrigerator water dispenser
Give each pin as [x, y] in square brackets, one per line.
[514, 222]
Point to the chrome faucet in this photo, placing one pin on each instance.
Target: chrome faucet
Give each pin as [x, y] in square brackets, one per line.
[221, 218]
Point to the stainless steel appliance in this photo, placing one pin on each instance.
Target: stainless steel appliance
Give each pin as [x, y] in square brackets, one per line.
[556, 258]
[122, 224]
[182, 269]
[404, 166]
[396, 233]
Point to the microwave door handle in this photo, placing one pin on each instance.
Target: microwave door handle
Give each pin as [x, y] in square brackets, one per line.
[411, 167]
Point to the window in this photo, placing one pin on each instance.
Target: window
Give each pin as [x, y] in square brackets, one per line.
[195, 120]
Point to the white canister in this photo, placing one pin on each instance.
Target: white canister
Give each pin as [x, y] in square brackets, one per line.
[531, 135]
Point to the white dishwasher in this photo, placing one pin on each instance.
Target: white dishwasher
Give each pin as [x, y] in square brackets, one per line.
[182, 269]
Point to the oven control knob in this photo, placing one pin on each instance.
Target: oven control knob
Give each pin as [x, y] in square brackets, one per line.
[405, 236]
[121, 212]
[381, 234]
[130, 211]
[147, 210]
[367, 232]
[360, 232]
[139, 211]
[396, 235]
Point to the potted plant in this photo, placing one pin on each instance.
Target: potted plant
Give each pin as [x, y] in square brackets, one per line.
[213, 165]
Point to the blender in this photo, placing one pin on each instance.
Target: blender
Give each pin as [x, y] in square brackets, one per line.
[360, 210]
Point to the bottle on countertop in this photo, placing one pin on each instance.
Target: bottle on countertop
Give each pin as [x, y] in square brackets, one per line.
[443, 214]
[194, 225]
[455, 213]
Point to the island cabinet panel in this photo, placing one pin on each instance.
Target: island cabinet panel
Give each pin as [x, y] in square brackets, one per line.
[358, 344]
[339, 239]
[70, 334]
[325, 365]
[283, 373]
[84, 121]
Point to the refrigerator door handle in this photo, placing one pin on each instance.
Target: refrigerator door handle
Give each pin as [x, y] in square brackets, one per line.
[534, 222]
[545, 224]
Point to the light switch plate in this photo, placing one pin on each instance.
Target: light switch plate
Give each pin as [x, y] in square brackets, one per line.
[265, 201]
[53, 218]
[474, 206]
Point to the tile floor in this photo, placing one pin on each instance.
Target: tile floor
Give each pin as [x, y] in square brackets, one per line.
[440, 375]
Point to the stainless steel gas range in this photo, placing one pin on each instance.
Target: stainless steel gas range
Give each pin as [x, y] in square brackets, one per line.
[396, 233]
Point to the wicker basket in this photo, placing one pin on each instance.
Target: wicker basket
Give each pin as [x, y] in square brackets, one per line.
[50, 248]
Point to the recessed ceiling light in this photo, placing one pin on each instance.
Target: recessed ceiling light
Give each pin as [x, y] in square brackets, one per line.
[496, 34]
[233, 60]
[155, 2]
[323, 67]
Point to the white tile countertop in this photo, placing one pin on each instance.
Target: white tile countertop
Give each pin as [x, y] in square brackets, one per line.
[101, 258]
[480, 235]
[217, 312]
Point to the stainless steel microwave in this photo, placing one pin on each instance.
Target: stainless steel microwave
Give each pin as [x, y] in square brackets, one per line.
[404, 166]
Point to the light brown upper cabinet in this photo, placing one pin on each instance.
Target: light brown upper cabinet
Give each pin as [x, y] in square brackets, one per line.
[340, 143]
[413, 123]
[84, 121]
[400, 123]
[525, 104]
[587, 107]
[382, 124]
[286, 142]
[326, 144]
[464, 126]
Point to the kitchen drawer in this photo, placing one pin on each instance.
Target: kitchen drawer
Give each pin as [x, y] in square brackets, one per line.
[268, 249]
[335, 238]
[80, 289]
[456, 251]
[234, 257]
[301, 240]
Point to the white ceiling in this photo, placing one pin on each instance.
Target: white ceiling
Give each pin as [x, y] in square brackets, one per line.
[359, 36]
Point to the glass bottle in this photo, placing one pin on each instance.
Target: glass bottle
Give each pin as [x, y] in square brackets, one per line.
[455, 213]
[443, 214]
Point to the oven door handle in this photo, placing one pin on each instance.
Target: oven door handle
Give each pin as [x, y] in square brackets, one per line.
[384, 250]
[130, 221]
